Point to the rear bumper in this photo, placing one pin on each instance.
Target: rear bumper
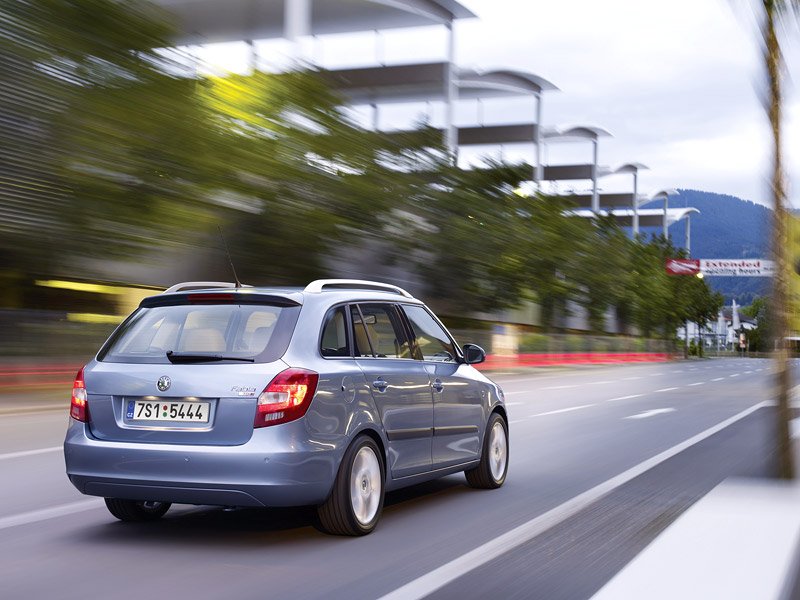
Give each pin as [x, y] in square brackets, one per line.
[278, 466]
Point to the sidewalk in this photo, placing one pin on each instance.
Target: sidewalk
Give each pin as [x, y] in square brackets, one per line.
[740, 541]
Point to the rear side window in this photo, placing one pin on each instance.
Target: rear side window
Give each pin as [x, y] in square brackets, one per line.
[431, 340]
[256, 331]
[334, 334]
[378, 331]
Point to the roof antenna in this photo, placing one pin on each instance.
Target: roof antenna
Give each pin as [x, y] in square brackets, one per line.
[230, 260]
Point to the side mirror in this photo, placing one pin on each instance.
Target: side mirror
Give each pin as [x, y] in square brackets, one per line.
[473, 354]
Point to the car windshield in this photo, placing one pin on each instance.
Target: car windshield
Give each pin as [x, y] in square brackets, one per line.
[222, 332]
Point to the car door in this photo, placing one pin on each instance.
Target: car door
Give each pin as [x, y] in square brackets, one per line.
[458, 399]
[399, 384]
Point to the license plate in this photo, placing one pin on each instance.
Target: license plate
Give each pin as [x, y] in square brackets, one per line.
[144, 410]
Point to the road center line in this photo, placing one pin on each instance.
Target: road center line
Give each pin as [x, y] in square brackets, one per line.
[448, 572]
[624, 397]
[666, 389]
[697, 383]
[718, 379]
[630, 378]
[734, 375]
[561, 410]
[559, 387]
[30, 452]
[650, 413]
[53, 512]
[599, 382]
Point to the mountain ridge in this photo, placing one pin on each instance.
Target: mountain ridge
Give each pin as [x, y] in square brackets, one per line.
[727, 227]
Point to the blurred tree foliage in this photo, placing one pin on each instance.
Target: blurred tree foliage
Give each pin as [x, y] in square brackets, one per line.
[114, 148]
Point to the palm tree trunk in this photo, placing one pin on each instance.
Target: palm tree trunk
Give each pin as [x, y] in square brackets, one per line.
[774, 63]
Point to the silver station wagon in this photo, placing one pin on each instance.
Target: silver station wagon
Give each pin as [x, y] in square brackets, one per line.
[331, 395]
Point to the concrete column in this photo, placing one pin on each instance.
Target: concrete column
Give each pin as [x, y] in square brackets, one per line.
[635, 203]
[296, 24]
[688, 235]
[252, 58]
[380, 54]
[450, 132]
[595, 195]
[375, 116]
[539, 169]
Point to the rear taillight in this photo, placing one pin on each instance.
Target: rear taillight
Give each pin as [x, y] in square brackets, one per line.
[286, 398]
[77, 408]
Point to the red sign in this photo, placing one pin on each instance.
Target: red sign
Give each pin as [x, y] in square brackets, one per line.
[683, 266]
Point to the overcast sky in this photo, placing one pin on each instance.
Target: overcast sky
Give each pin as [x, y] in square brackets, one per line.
[674, 82]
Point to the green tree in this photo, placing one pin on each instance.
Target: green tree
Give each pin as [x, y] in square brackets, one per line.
[467, 233]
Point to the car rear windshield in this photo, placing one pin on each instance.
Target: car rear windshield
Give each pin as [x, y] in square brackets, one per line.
[222, 332]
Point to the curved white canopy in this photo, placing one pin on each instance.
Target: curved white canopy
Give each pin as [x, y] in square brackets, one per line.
[633, 167]
[575, 133]
[648, 217]
[210, 21]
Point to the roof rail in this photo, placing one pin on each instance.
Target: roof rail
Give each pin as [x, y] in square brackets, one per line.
[319, 285]
[199, 285]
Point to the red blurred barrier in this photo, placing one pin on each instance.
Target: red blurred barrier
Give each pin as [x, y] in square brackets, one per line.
[494, 362]
[37, 375]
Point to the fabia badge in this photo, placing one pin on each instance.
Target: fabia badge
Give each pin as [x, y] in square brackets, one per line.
[163, 383]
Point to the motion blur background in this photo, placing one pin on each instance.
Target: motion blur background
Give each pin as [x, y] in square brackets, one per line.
[121, 154]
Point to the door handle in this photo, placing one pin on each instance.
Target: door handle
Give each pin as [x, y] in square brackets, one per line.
[380, 384]
[437, 385]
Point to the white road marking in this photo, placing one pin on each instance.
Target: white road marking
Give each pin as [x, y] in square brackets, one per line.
[624, 397]
[30, 452]
[734, 375]
[747, 372]
[559, 387]
[516, 421]
[651, 413]
[518, 392]
[630, 378]
[718, 379]
[599, 382]
[561, 410]
[438, 578]
[677, 371]
[666, 389]
[697, 383]
[514, 403]
[53, 512]
[655, 374]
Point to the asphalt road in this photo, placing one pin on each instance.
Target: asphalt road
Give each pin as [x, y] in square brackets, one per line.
[571, 431]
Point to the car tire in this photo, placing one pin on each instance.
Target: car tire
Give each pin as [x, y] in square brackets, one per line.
[356, 500]
[136, 511]
[493, 467]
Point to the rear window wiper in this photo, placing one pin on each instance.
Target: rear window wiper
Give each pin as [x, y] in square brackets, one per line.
[176, 357]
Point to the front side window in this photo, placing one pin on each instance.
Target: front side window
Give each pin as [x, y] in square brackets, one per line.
[258, 332]
[378, 331]
[432, 342]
